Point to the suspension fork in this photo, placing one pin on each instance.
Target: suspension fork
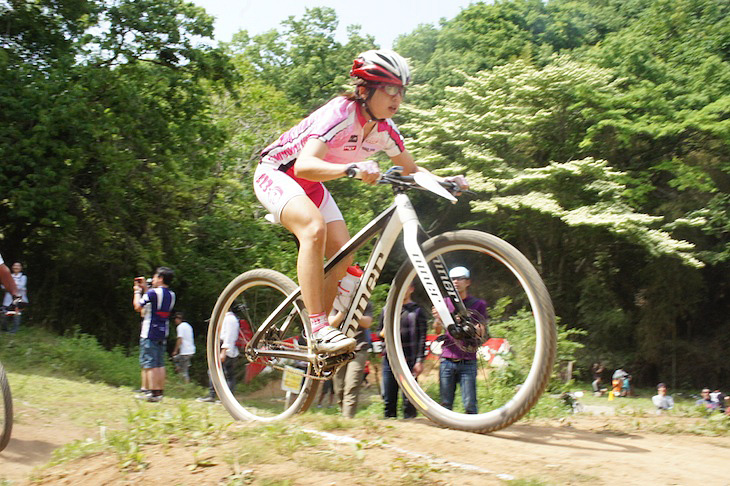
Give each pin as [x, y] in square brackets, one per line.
[435, 286]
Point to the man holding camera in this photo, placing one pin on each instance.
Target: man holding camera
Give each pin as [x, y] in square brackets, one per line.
[156, 305]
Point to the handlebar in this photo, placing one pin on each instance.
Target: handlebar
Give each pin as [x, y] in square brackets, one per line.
[394, 176]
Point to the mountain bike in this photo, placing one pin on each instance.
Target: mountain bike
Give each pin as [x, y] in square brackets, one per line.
[279, 371]
[6, 409]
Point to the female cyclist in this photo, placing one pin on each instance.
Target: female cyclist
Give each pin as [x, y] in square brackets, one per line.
[288, 181]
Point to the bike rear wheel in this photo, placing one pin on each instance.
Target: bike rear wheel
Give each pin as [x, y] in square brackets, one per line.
[262, 389]
[6, 409]
[513, 367]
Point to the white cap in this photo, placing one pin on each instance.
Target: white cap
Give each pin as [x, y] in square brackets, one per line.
[459, 272]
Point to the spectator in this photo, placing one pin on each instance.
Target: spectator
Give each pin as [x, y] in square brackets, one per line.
[228, 354]
[8, 282]
[661, 400]
[621, 382]
[718, 397]
[348, 378]
[366, 371]
[706, 401]
[597, 371]
[413, 328]
[457, 364]
[21, 283]
[156, 305]
[184, 347]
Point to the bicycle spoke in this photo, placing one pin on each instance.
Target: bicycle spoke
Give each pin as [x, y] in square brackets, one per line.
[509, 366]
[263, 387]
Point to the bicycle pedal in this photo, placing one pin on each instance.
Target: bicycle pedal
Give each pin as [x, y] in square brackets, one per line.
[327, 363]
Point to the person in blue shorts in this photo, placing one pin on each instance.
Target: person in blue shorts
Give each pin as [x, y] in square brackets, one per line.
[156, 305]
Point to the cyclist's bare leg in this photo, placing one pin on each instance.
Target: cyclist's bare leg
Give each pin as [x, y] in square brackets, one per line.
[337, 235]
[302, 217]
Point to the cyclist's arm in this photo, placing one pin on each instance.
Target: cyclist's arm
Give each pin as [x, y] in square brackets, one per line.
[405, 160]
[311, 165]
[6, 278]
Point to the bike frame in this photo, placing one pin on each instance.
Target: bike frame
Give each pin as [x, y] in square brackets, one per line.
[400, 216]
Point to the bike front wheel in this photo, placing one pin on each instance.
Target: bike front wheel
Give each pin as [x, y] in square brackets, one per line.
[6, 409]
[511, 369]
[252, 386]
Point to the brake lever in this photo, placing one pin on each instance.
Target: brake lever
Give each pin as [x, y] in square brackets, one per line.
[454, 188]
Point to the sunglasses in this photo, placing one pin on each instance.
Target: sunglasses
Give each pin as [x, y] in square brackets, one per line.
[392, 89]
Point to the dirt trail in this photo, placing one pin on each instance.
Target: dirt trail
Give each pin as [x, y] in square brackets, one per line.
[584, 450]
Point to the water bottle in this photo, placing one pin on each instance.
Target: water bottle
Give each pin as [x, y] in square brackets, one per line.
[346, 288]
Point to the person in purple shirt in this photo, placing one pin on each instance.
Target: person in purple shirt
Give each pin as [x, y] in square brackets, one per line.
[458, 365]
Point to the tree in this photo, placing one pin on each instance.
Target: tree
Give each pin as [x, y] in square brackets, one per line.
[304, 61]
[105, 136]
[524, 136]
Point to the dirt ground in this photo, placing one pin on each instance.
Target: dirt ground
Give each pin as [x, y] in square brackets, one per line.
[582, 450]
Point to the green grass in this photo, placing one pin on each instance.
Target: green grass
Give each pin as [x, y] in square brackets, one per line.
[684, 418]
[78, 356]
[64, 380]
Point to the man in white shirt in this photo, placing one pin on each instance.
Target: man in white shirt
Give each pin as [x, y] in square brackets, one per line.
[184, 347]
[229, 354]
[661, 400]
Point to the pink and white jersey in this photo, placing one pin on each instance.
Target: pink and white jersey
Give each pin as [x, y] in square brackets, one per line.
[340, 125]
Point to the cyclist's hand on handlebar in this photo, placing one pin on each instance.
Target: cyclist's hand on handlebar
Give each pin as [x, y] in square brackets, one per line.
[458, 180]
[368, 171]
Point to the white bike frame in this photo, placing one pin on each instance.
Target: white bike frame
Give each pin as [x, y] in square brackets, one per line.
[400, 216]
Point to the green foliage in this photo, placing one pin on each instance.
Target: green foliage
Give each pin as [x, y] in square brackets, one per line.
[595, 132]
[80, 356]
[75, 355]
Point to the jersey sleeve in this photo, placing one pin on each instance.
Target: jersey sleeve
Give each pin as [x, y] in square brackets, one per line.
[326, 122]
[146, 298]
[394, 144]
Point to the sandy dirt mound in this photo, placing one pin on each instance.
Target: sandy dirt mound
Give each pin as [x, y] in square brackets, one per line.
[584, 450]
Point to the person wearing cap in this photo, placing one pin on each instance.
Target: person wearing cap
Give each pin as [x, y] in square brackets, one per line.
[661, 400]
[458, 366]
[341, 135]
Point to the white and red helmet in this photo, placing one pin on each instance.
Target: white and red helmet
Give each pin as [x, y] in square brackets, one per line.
[381, 66]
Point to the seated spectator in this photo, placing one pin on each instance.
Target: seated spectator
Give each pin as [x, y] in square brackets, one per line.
[621, 382]
[706, 400]
[718, 397]
[597, 371]
[661, 400]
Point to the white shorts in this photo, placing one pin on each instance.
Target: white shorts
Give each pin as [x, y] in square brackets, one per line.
[274, 189]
